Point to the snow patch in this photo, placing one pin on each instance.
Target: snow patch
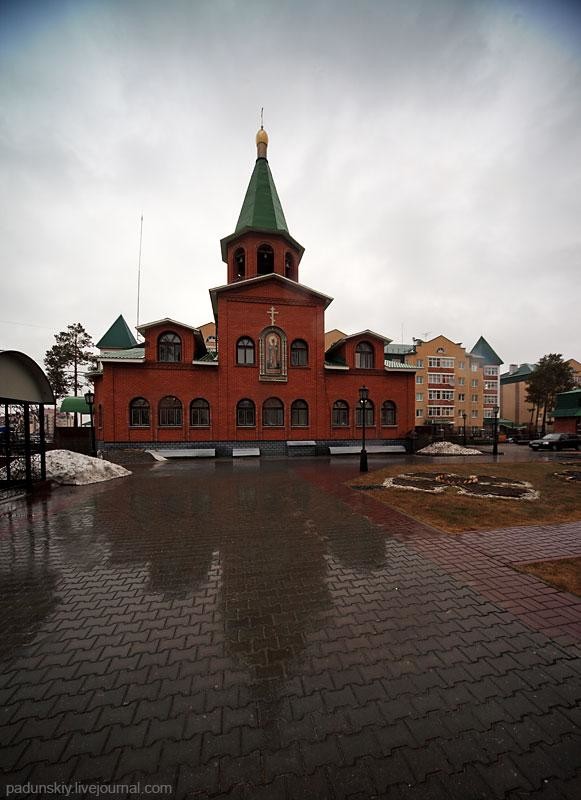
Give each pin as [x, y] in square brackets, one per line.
[76, 469]
[448, 449]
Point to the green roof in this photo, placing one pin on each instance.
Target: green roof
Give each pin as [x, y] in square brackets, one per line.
[134, 353]
[261, 208]
[485, 351]
[75, 404]
[568, 404]
[523, 373]
[118, 337]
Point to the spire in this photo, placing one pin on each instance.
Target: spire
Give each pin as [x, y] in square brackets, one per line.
[261, 213]
[262, 208]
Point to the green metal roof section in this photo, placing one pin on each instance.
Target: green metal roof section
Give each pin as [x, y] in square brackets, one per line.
[78, 405]
[568, 404]
[118, 337]
[261, 208]
[523, 373]
[134, 354]
[209, 357]
[485, 351]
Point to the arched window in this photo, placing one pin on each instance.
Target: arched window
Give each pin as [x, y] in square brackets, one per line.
[169, 347]
[240, 264]
[245, 414]
[364, 356]
[170, 412]
[369, 414]
[245, 351]
[289, 266]
[299, 414]
[389, 413]
[199, 413]
[340, 416]
[273, 413]
[299, 353]
[139, 413]
[265, 257]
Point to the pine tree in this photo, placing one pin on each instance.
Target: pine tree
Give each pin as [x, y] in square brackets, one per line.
[66, 358]
[552, 375]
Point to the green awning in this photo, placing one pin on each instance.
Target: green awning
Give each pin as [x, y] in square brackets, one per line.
[76, 405]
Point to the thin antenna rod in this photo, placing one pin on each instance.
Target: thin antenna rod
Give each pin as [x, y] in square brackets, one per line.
[139, 270]
[262, 117]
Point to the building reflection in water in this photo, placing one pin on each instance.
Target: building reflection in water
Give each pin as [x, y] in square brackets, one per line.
[252, 563]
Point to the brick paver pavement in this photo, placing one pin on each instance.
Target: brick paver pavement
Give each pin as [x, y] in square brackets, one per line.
[259, 630]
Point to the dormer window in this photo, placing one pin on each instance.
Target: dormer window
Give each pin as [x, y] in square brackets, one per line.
[364, 356]
[169, 347]
[265, 256]
[240, 264]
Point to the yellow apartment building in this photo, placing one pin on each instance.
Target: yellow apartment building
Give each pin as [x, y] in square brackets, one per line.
[452, 382]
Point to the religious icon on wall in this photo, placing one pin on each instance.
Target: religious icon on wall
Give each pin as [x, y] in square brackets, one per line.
[273, 352]
[273, 355]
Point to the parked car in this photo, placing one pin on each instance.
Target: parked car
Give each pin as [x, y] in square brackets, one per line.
[557, 441]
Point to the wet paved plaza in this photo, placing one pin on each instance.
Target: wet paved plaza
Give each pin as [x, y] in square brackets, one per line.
[259, 630]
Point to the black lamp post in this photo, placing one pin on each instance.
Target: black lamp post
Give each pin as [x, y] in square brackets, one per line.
[89, 400]
[464, 415]
[363, 398]
[495, 431]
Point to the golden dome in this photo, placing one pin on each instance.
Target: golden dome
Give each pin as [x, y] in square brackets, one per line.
[262, 137]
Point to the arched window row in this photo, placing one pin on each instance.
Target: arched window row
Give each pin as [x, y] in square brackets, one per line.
[340, 414]
[264, 262]
[169, 413]
[273, 355]
[273, 413]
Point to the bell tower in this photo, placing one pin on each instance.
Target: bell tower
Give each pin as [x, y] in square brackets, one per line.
[261, 243]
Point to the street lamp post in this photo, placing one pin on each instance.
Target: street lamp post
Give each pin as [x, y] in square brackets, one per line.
[363, 398]
[90, 400]
[495, 432]
[464, 415]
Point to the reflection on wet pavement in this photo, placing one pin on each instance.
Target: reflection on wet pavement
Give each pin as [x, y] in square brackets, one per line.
[229, 627]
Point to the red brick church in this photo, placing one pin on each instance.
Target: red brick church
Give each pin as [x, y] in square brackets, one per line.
[267, 382]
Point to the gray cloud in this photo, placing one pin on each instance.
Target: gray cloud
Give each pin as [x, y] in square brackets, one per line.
[426, 154]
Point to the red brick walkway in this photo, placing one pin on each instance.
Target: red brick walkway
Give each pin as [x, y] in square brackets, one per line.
[482, 560]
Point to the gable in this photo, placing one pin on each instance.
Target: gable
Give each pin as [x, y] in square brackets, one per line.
[270, 288]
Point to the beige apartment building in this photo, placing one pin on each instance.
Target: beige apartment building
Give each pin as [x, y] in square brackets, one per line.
[513, 392]
[513, 395]
[452, 382]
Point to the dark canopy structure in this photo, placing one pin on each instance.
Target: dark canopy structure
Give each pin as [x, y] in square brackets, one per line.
[24, 391]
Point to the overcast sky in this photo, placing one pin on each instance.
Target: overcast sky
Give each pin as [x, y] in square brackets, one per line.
[427, 154]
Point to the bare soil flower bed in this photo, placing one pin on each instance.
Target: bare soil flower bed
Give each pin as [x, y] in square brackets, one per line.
[472, 485]
[461, 500]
